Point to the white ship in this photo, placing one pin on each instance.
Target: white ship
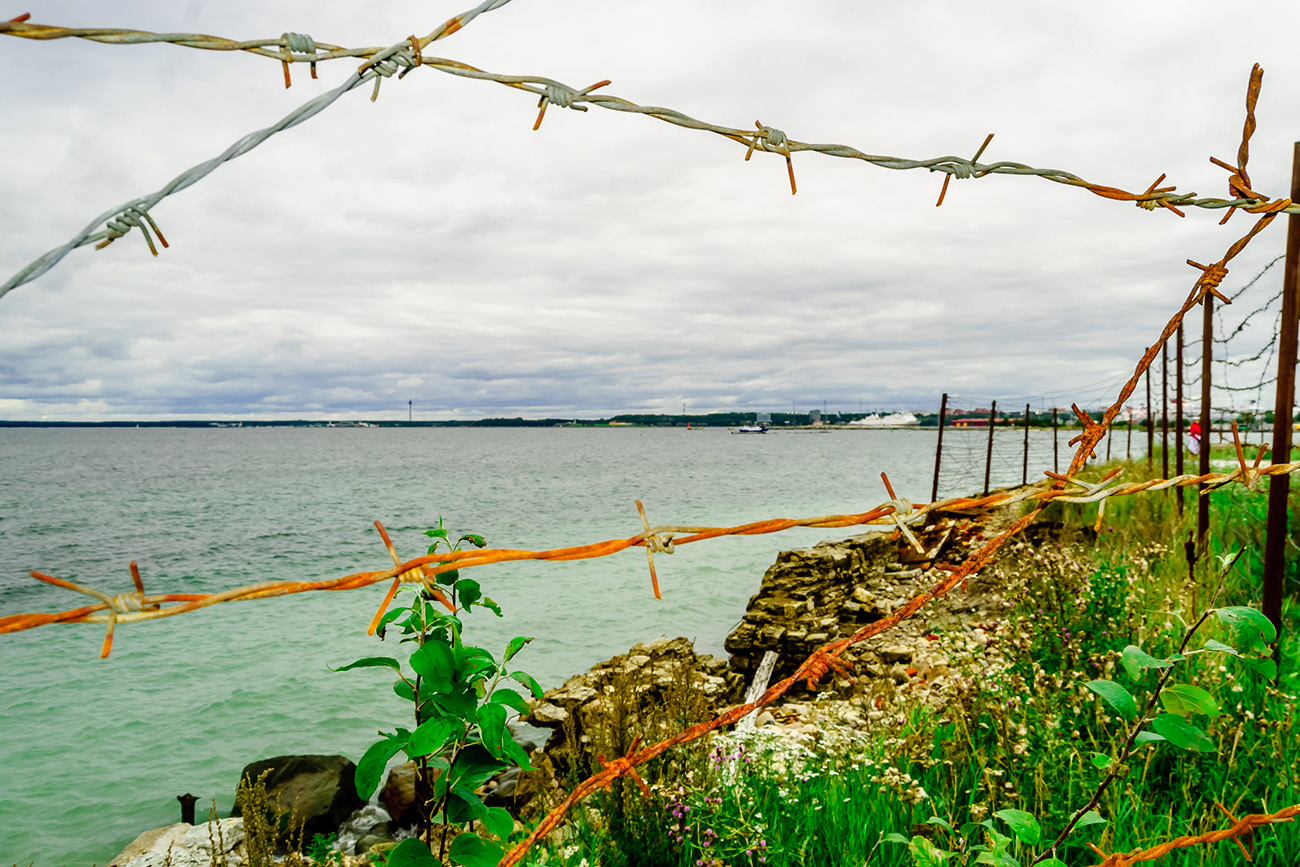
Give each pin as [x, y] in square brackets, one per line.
[893, 419]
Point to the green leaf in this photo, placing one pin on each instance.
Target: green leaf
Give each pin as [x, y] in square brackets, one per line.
[439, 533]
[458, 702]
[372, 764]
[1211, 644]
[1145, 737]
[449, 577]
[389, 616]
[1024, 825]
[372, 662]
[435, 663]
[1101, 760]
[487, 603]
[474, 539]
[471, 661]
[1092, 817]
[516, 644]
[404, 689]
[473, 851]
[1116, 696]
[511, 699]
[515, 753]
[895, 837]
[474, 767]
[1247, 624]
[432, 736]
[1052, 862]
[467, 593]
[1185, 699]
[926, 854]
[935, 820]
[412, 853]
[525, 679]
[1135, 660]
[1181, 733]
[492, 723]
[464, 805]
[1266, 667]
[499, 822]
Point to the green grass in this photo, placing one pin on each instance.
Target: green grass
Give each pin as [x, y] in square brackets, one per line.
[1010, 727]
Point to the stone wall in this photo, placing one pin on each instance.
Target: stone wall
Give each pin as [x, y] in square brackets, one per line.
[811, 596]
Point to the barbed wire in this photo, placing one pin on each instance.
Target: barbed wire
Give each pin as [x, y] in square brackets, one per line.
[1245, 826]
[408, 54]
[135, 606]
[1063, 487]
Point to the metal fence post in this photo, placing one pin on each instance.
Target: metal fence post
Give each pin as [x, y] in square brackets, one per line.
[988, 458]
[938, 448]
[1178, 416]
[1283, 410]
[1024, 469]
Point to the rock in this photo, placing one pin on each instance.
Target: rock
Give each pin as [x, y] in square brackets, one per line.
[631, 688]
[185, 845]
[398, 794]
[895, 653]
[807, 596]
[369, 821]
[318, 791]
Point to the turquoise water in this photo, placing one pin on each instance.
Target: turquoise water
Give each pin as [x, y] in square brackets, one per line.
[94, 751]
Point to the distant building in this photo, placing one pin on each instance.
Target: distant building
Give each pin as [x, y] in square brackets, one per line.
[763, 418]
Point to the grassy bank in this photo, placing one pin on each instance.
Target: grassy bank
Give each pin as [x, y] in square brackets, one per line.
[1005, 726]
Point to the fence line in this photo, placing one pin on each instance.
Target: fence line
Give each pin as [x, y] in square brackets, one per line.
[1065, 487]
[406, 55]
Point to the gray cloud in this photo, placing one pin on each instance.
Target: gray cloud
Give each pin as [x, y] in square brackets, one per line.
[432, 246]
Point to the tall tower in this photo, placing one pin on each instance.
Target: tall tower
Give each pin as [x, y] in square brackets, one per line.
[410, 404]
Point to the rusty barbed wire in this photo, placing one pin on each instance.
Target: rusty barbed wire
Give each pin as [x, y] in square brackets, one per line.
[138, 606]
[408, 54]
[1244, 826]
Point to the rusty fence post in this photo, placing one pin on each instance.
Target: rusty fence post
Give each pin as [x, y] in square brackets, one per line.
[1056, 452]
[938, 448]
[1024, 467]
[1164, 410]
[1129, 456]
[1151, 429]
[988, 458]
[1207, 358]
[1178, 416]
[1283, 411]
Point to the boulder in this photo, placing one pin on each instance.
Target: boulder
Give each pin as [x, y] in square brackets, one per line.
[631, 688]
[318, 791]
[398, 795]
[185, 845]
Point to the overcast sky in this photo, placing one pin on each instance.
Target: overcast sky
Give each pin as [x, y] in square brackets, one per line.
[430, 246]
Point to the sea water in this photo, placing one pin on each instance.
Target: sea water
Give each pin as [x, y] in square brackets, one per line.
[92, 752]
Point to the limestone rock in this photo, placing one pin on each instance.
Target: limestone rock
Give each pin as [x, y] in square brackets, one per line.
[185, 845]
[632, 685]
[319, 791]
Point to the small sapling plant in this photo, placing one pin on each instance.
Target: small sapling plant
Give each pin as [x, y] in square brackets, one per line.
[460, 705]
[1171, 713]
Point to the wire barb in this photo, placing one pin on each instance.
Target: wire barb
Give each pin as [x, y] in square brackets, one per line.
[772, 139]
[563, 96]
[961, 170]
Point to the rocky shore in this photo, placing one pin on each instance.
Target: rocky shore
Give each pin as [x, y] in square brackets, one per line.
[808, 597]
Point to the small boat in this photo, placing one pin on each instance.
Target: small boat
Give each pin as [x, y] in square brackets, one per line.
[750, 429]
